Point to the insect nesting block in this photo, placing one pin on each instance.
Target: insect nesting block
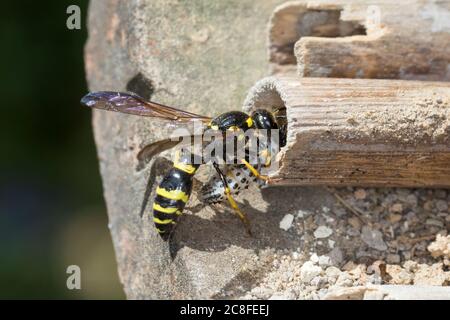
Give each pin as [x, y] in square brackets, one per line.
[360, 132]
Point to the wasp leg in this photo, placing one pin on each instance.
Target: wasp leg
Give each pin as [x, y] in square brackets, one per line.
[231, 200]
[254, 171]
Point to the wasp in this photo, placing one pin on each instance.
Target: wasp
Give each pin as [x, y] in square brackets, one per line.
[174, 190]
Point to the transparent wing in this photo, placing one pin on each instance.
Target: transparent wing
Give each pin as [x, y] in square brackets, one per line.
[133, 104]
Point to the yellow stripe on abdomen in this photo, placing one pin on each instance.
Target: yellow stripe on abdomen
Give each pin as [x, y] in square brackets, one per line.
[172, 194]
[164, 210]
[165, 221]
[185, 167]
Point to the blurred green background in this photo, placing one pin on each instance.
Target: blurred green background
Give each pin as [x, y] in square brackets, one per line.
[52, 213]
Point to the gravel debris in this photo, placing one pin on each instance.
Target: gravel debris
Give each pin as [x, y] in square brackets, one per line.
[441, 248]
[433, 275]
[309, 270]
[391, 236]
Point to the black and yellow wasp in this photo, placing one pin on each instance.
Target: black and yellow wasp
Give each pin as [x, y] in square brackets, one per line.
[174, 191]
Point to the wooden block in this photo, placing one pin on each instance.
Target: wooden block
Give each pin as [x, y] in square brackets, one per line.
[359, 132]
[362, 39]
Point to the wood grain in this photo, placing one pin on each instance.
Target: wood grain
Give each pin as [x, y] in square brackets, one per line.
[358, 132]
[383, 39]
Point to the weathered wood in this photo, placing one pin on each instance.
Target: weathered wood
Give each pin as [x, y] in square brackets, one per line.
[405, 39]
[346, 132]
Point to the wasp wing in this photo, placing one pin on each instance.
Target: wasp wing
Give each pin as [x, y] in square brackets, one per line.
[134, 104]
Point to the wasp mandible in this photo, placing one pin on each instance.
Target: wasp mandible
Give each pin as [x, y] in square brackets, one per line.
[174, 191]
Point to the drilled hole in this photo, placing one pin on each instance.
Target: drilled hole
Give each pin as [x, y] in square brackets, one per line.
[265, 95]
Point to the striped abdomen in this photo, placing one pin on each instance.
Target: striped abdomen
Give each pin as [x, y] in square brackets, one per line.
[172, 195]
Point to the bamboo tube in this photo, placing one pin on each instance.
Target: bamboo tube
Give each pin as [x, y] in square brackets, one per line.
[360, 132]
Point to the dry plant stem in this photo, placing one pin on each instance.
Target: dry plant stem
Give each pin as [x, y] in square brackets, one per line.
[357, 212]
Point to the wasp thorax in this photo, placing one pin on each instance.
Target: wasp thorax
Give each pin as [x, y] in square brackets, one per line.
[264, 119]
[234, 119]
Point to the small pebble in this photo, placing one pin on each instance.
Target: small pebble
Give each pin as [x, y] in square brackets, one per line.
[308, 271]
[354, 222]
[332, 242]
[336, 256]
[360, 194]
[324, 261]
[373, 238]
[340, 212]
[411, 200]
[396, 207]
[434, 222]
[314, 258]
[393, 217]
[442, 205]
[318, 281]
[286, 222]
[374, 279]
[302, 214]
[352, 232]
[428, 205]
[344, 280]
[322, 232]
[332, 272]
[393, 258]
